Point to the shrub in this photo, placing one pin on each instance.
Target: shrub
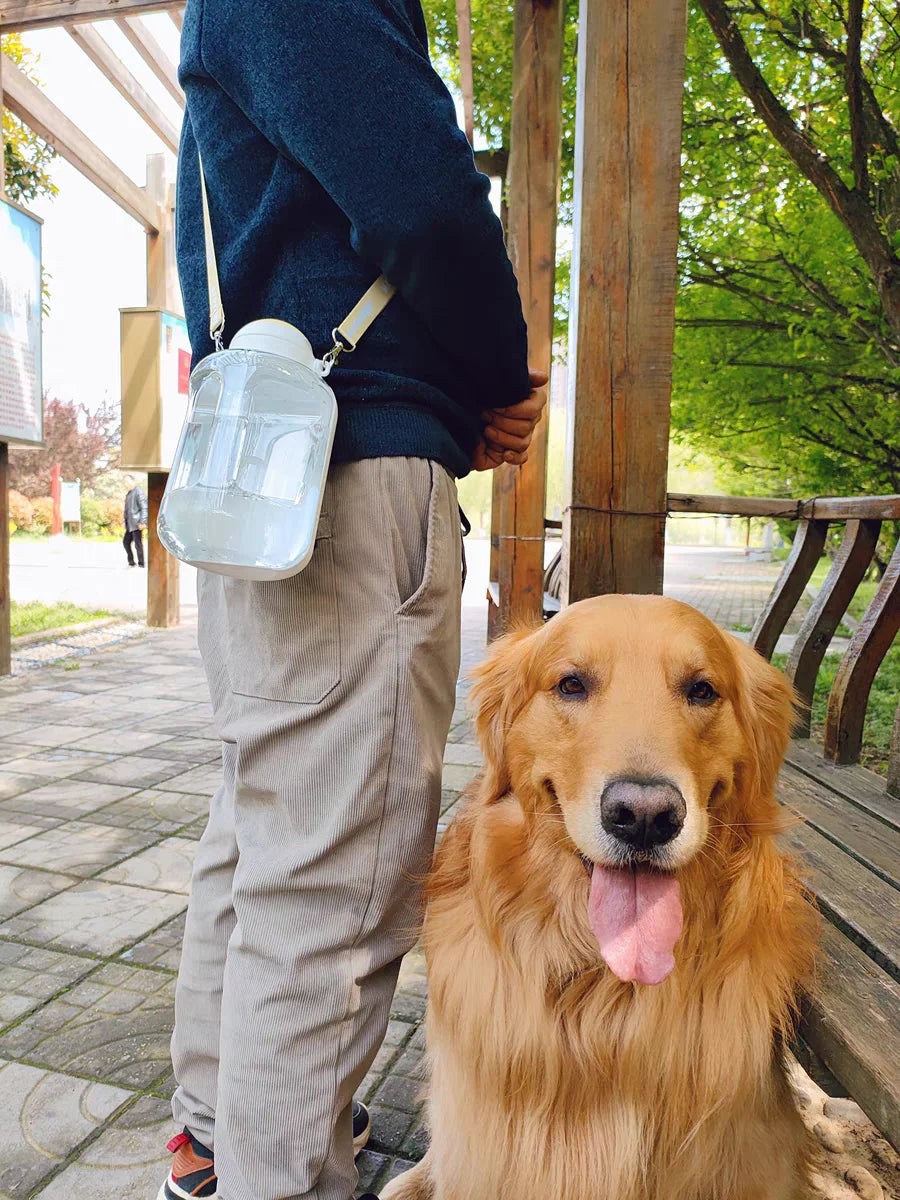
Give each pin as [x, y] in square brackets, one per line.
[43, 514]
[113, 515]
[93, 517]
[21, 510]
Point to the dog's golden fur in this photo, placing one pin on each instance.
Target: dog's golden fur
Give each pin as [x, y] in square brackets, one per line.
[550, 1078]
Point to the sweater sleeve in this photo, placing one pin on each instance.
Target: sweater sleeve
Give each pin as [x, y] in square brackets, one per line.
[345, 88]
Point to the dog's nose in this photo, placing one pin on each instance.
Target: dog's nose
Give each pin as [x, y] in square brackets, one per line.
[642, 814]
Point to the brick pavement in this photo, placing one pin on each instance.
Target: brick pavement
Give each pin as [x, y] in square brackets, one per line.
[105, 775]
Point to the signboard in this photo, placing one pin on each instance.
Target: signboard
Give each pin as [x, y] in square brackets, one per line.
[156, 366]
[70, 502]
[21, 407]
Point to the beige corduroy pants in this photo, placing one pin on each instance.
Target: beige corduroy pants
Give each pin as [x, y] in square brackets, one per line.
[333, 693]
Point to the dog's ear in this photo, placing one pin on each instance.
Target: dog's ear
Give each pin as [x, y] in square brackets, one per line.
[767, 713]
[500, 691]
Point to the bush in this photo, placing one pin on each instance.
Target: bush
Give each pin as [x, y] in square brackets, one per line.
[93, 516]
[113, 515]
[43, 514]
[21, 510]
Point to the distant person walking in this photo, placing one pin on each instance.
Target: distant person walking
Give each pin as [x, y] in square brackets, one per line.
[135, 521]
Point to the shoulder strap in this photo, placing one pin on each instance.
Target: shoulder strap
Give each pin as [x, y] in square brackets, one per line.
[346, 335]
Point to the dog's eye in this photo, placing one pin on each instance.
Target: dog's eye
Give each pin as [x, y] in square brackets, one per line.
[571, 685]
[701, 692]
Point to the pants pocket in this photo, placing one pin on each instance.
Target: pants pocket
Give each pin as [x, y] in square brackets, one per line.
[284, 636]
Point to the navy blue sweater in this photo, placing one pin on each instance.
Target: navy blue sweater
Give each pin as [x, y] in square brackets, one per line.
[332, 153]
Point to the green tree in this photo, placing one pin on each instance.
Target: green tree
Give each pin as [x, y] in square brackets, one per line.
[26, 157]
[788, 315]
[788, 337]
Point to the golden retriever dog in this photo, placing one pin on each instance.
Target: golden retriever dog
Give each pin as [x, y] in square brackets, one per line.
[614, 941]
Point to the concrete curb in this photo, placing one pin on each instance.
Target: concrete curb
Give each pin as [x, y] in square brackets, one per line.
[63, 631]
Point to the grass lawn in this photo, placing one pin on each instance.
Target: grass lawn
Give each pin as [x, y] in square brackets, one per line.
[864, 592]
[33, 617]
[882, 705]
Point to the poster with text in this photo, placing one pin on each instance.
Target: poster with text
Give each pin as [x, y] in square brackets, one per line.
[174, 372]
[21, 407]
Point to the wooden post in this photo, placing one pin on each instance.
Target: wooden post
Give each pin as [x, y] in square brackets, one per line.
[627, 172]
[162, 290]
[535, 132]
[466, 84]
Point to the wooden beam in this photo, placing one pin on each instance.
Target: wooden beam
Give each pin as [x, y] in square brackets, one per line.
[825, 508]
[466, 83]
[535, 133]
[107, 61]
[627, 172]
[177, 16]
[33, 14]
[29, 103]
[163, 603]
[153, 55]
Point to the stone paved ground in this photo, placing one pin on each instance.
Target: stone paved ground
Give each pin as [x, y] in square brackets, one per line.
[107, 762]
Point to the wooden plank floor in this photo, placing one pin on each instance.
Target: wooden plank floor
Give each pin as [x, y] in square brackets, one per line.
[846, 833]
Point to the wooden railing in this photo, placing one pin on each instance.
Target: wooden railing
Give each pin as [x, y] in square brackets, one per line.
[862, 519]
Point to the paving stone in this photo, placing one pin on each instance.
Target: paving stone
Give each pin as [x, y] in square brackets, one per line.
[58, 735]
[65, 798]
[389, 1127]
[406, 1007]
[56, 763]
[397, 1032]
[21, 887]
[114, 1026]
[189, 750]
[134, 770]
[463, 754]
[371, 1166]
[97, 917]
[30, 975]
[166, 866]
[12, 832]
[44, 1117]
[128, 1161]
[81, 847]
[203, 780]
[415, 1144]
[397, 1092]
[196, 829]
[127, 741]
[457, 778]
[14, 782]
[397, 1167]
[154, 810]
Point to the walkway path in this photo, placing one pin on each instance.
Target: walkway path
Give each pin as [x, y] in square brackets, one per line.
[107, 763]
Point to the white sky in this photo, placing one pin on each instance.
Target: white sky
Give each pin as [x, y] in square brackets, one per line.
[94, 252]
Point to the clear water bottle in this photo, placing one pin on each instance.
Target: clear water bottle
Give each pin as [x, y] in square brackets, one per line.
[245, 489]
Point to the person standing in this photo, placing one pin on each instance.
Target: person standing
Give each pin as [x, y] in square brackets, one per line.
[332, 154]
[135, 521]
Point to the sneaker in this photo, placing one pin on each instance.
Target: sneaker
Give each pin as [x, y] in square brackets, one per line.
[362, 1127]
[193, 1172]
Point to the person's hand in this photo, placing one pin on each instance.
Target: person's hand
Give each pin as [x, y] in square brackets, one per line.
[508, 431]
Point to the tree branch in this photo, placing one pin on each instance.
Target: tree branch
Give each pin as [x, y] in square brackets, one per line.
[853, 77]
[848, 204]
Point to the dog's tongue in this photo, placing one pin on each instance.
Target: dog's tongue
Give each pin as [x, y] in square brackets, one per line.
[636, 918]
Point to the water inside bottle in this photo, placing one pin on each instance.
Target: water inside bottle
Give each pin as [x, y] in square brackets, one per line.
[246, 484]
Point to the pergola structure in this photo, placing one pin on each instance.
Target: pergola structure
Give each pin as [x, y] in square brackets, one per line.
[152, 206]
[628, 139]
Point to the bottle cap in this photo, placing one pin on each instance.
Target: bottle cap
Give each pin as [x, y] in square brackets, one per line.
[275, 337]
